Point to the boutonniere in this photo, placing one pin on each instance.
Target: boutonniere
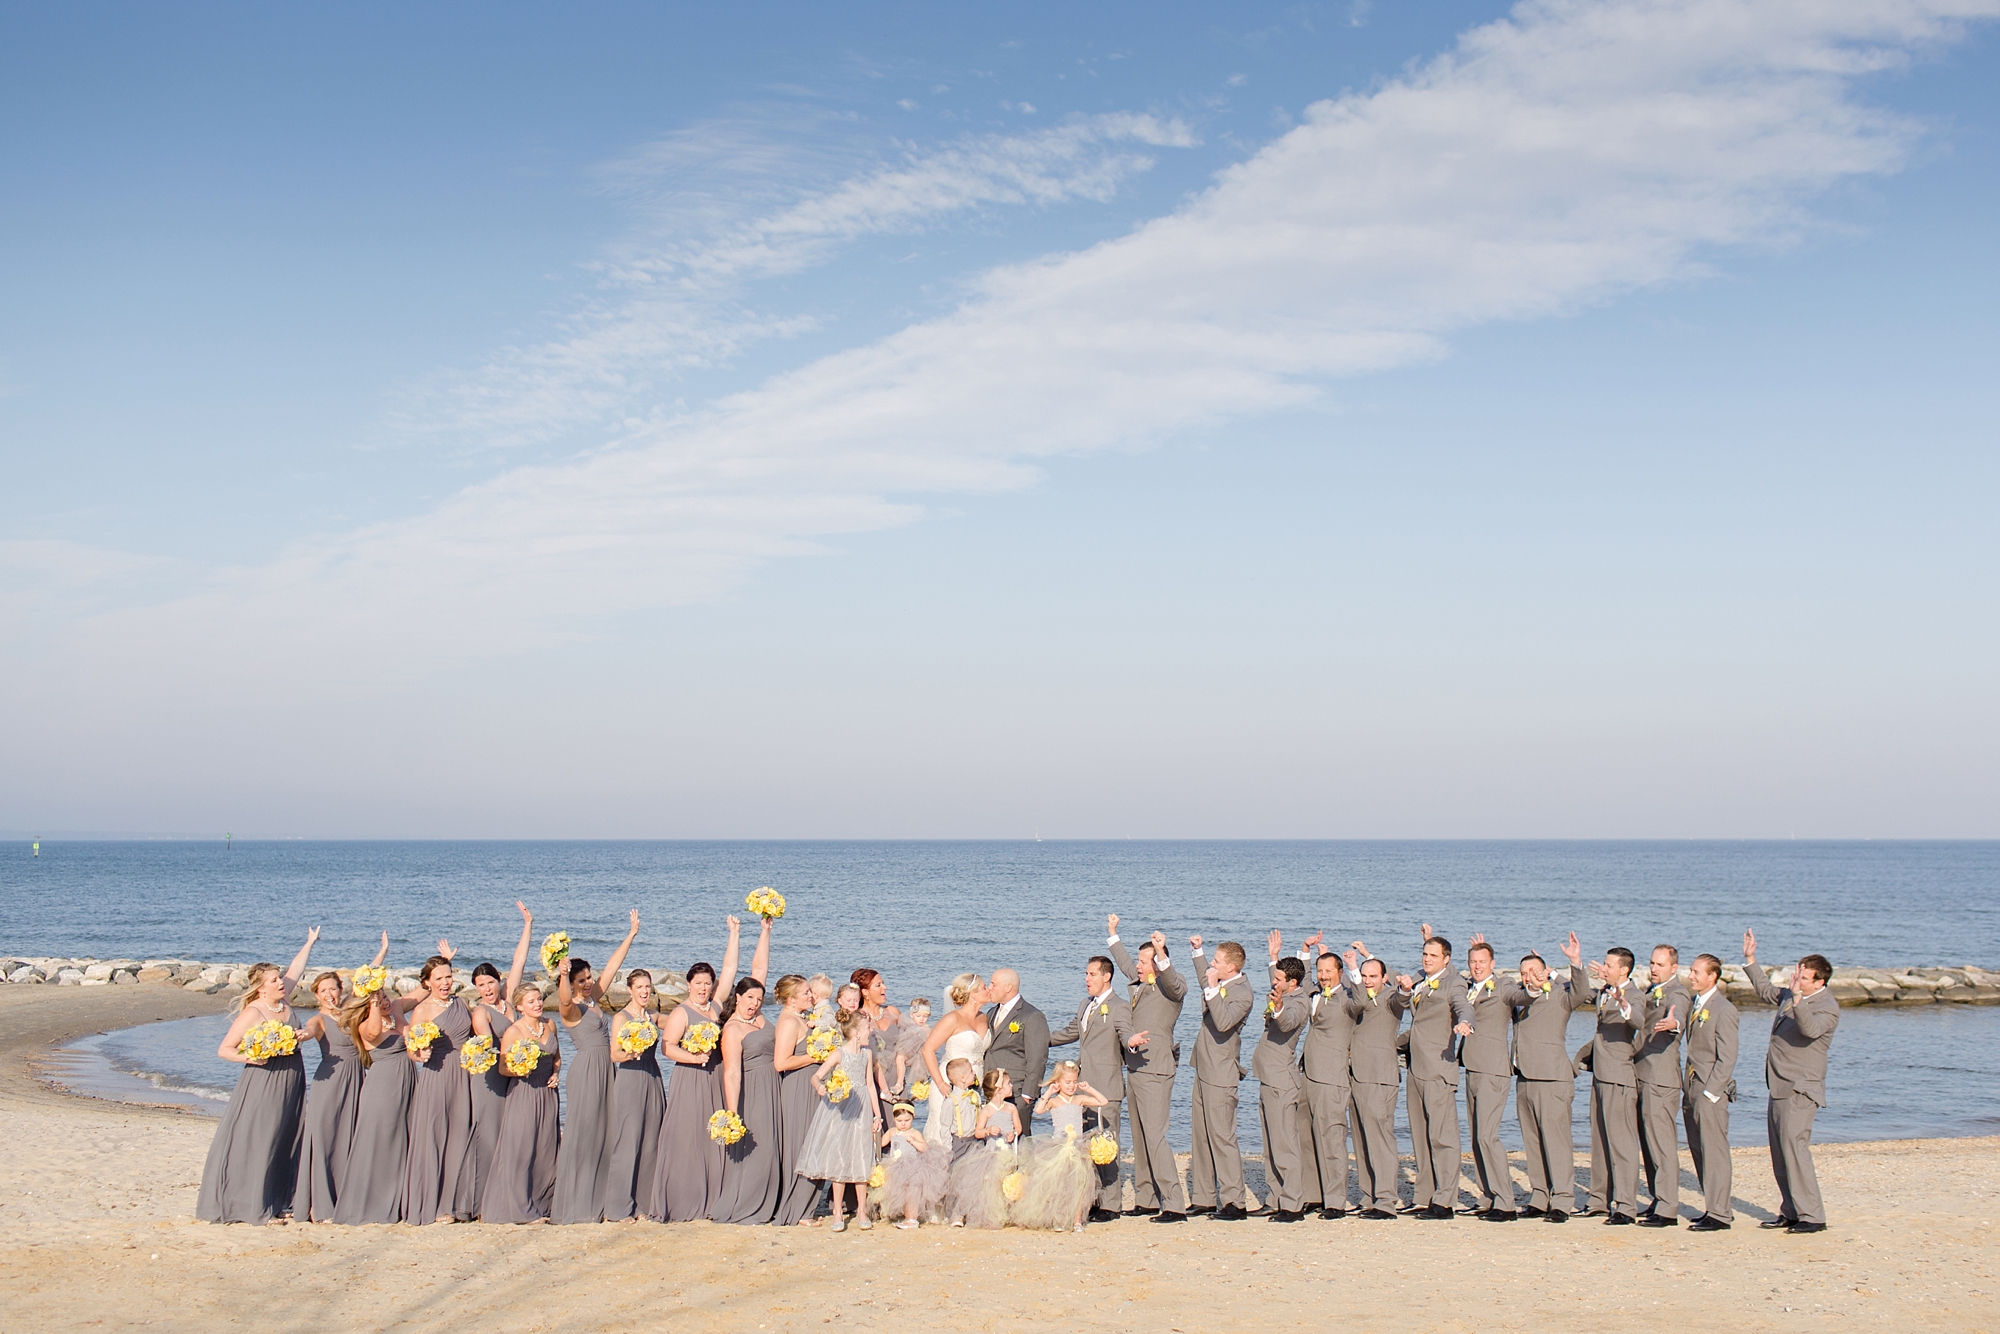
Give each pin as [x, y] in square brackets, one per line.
[1104, 1009]
[1371, 994]
[1478, 987]
[1328, 992]
[1701, 1016]
[1271, 1006]
[1014, 1027]
[1222, 992]
[1548, 987]
[1658, 991]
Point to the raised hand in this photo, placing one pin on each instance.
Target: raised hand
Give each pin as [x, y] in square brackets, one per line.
[527, 918]
[1361, 947]
[312, 935]
[1598, 972]
[1353, 962]
[444, 948]
[1749, 946]
[1194, 943]
[635, 921]
[1159, 939]
[1573, 951]
[1277, 943]
[1426, 929]
[1111, 924]
[1312, 941]
[1405, 981]
[385, 942]
[1479, 937]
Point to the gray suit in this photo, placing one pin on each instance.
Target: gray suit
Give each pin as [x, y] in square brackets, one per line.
[1488, 1058]
[1216, 1174]
[1276, 1066]
[1658, 1067]
[1614, 1103]
[1100, 1030]
[1329, 1034]
[1795, 1071]
[1546, 1091]
[1374, 1073]
[1431, 1096]
[1021, 1048]
[1149, 1083]
[1706, 1091]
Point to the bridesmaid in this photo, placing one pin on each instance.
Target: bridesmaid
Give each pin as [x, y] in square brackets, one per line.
[253, 1162]
[438, 1188]
[491, 1015]
[885, 1021]
[371, 1190]
[331, 1100]
[581, 1174]
[638, 1102]
[688, 1178]
[799, 1201]
[751, 1185]
[525, 1161]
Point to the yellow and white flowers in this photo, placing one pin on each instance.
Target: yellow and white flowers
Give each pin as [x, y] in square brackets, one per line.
[420, 1037]
[269, 1039]
[725, 1128]
[821, 1044]
[637, 1037]
[700, 1038]
[554, 950]
[878, 1178]
[1012, 1187]
[838, 1086]
[523, 1056]
[478, 1054]
[1103, 1150]
[368, 979]
[921, 1090]
[767, 903]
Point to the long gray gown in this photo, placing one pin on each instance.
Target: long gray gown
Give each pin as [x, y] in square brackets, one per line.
[440, 1179]
[688, 1180]
[521, 1184]
[638, 1103]
[371, 1190]
[489, 1100]
[332, 1100]
[580, 1176]
[253, 1162]
[751, 1186]
[796, 1100]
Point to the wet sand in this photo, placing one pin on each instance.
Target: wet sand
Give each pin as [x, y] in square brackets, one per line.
[96, 1230]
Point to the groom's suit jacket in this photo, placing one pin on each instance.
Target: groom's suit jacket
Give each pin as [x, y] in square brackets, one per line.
[1020, 1047]
[1100, 1029]
[1156, 1008]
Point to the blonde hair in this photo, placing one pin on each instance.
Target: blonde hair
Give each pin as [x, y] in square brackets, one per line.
[254, 983]
[787, 987]
[314, 988]
[352, 1013]
[1062, 1067]
[1232, 953]
[521, 991]
[821, 984]
[962, 988]
[991, 1083]
[849, 1020]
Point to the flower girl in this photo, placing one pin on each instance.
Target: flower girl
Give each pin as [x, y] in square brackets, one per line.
[1062, 1179]
[910, 1035]
[840, 1141]
[986, 1182]
[913, 1171]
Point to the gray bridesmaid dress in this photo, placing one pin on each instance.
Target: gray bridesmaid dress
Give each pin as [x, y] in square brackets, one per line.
[796, 1100]
[688, 1180]
[638, 1103]
[332, 1100]
[580, 1175]
[440, 1174]
[752, 1166]
[253, 1162]
[489, 1100]
[371, 1190]
[521, 1183]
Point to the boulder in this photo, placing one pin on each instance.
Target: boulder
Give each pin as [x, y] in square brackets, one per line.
[27, 972]
[69, 977]
[123, 978]
[98, 972]
[153, 975]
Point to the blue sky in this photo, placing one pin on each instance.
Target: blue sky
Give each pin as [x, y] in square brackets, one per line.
[1350, 420]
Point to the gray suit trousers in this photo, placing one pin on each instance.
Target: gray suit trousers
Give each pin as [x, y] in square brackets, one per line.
[1215, 1177]
[1542, 1106]
[1788, 1123]
[1325, 1107]
[1284, 1160]
[1156, 1176]
[1375, 1144]
[1614, 1148]
[1433, 1109]
[1110, 1177]
[1708, 1142]
[1660, 1146]
[1485, 1102]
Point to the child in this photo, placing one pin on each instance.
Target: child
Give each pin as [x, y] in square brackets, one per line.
[821, 1014]
[916, 1027]
[840, 1140]
[1062, 1181]
[978, 1189]
[915, 1171]
[957, 1110]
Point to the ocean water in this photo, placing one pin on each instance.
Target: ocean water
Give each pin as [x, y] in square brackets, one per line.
[923, 912]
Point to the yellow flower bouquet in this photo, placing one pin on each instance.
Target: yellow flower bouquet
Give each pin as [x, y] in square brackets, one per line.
[700, 1038]
[1103, 1150]
[878, 1178]
[478, 1054]
[554, 950]
[420, 1037]
[269, 1039]
[767, 903]
[822, 1044]
[637, 1037]
[838, 1086]
[368, 979]
[725, 1127]
[523, 1057]
[921, 1090]
[1012, 1186]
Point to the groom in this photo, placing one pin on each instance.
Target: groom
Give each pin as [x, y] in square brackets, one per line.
[1020, 1043]
[1102, 1031]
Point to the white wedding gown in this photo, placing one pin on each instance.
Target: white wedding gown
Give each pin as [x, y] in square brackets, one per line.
[970, 1046]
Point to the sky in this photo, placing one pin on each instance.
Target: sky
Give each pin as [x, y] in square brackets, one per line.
[1442, 420]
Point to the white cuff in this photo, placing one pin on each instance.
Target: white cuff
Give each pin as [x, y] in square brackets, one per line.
[1112, 941]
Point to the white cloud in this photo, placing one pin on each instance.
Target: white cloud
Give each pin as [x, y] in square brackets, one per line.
[1565, 155]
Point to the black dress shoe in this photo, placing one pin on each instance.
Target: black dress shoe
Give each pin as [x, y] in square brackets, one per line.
[1230, 1213]
[1555, 1216]
[1101, 1216]
[1438, 1213]
[1286, 1216]
[1660, 1220]
[1140, 1211]
[1707, 1224]
[1532, 1212]
[1498, 1215]
[1620, 1220]
[1331, 1214]
[1168, 1216]
[1801, 1229]
[1376, 1213]
[1473, 1212]
[1590, 1211]
[1197, 1210]
[1773, 1224]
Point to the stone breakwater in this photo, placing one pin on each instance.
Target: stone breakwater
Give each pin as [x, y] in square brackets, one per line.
[1965, 985]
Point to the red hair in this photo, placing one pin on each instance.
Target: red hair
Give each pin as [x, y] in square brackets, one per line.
[863, 978]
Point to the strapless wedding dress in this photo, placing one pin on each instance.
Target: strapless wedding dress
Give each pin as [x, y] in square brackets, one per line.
[969, 1046]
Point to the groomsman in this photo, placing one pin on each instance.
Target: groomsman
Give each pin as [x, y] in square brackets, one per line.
[1020, 1043]
[1324, 1098]
[1707, 1089]
[1275, 1064]
[1152, 1058]
[1795, 1070]
[1217, 1170]
[1376, 1011]
[1487, 1056]
[1438, 1018]
[1658, 1071]
[1101, 1029]
[1546, 1090]
[1614, 1108]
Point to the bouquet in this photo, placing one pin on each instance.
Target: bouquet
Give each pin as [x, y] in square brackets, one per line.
[878, 1178]
[478, 1054]
[725, 1127]
[1012, 1186]
[1103, 1150]
[269, 1039]
[368, 979]
[523, 1057]
[838, 1086]
[921, 1090]
[767, 903]
[636, 1037]
[420, 1037]
[554, 950]
[822, 1044]
[700, 1038]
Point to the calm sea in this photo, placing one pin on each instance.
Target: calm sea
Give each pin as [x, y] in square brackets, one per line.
[922, 912]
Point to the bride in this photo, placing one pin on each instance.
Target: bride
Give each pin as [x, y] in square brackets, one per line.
[961, 1033]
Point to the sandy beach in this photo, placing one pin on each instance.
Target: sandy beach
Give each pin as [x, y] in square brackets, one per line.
[98, 1232]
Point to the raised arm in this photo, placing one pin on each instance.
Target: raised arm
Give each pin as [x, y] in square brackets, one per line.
[617, 960]
[760, 958]
[566, 996]
[726, 983]
[520, 953]
[382, 953]
[1759, 983]
[297, 968]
